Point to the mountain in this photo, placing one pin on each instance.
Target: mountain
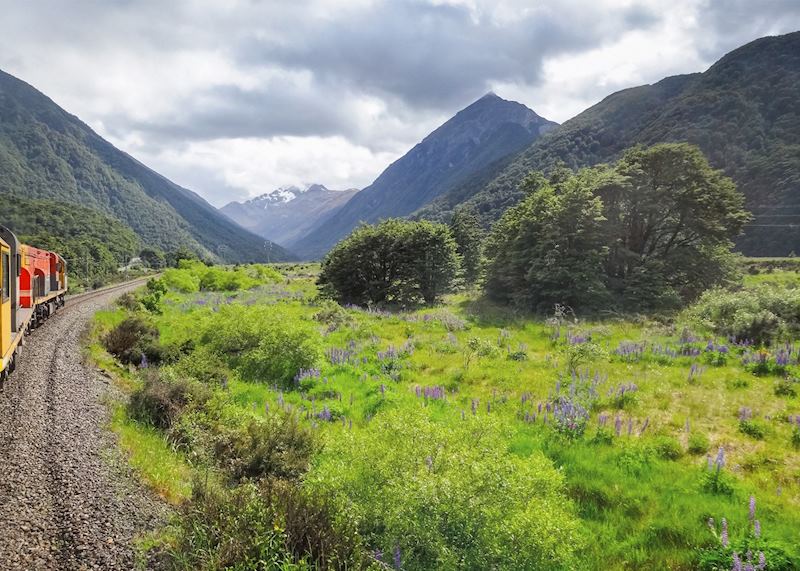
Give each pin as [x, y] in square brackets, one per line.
[48, 154]
[487, 132]
[743, 112]
[289, 212]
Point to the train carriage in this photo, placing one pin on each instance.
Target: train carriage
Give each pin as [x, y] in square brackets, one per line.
[33, 283]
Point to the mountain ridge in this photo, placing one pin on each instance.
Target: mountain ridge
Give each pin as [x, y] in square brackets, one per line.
[741, 112]
[48, 153]
[488, 130]
[289, 212]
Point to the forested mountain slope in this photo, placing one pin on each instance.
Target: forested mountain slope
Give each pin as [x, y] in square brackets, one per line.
[478, 136]
[46, 153]
[743, 112]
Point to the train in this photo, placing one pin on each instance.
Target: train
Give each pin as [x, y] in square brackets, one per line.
[33, 283]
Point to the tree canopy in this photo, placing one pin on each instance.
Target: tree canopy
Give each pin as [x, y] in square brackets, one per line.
[395, 261]
[649, 232]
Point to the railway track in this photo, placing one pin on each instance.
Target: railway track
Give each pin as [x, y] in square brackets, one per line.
[67, 501]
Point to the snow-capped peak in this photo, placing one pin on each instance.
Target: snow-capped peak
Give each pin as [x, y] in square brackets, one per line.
[284, 194]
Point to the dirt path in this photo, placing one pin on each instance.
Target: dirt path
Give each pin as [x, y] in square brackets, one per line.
[66, 499]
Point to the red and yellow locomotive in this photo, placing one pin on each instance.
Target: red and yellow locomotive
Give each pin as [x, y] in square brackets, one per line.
[32, 287]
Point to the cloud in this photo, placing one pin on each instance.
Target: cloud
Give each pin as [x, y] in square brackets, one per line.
[234, 98]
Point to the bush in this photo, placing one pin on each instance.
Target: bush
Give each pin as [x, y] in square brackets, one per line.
[448, 496]
[787, 387]
[395, 261]
[262, 343]
[762, 314]
[130, 339]
[264, 526]
[698, 443]
[752, 428]
[278, 447]
[159, 401]
[668, 448]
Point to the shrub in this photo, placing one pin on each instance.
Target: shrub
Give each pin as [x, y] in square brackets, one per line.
[395, 261]
[787, 387]
[128, 302]
[668, 448]
[412, 486]
[264, 526]
[752, 428]
[698, 443]
[278, 447]
[761, 314]
[795, 438]
[262, 343]
[333, 315]
[130, 339]
[160, 400]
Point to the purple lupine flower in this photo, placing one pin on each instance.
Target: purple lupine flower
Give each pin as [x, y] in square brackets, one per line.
[737, 563]
[752, 513]
[720, 462]
[378, 555]
[144, 363]
[757, 528]
[762, 560]
[397, 558]
[724, 535]
[617, 425]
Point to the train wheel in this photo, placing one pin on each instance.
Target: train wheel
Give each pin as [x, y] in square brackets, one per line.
[12, 366]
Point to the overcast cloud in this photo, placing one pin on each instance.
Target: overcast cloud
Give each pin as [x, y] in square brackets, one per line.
[235, 98]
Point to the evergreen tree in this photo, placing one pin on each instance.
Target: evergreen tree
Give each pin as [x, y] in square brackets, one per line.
[467, 232]
[649, 232]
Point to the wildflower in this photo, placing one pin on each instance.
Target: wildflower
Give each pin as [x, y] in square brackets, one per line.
[144, 363]
[737, 563]
[757, 528]
[397, 557]
[752, 513]
[724, 535]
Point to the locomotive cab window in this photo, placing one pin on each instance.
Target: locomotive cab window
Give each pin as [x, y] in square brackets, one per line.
[6, 277]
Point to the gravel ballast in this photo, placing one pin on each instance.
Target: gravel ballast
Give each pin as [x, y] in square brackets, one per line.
[67, 499]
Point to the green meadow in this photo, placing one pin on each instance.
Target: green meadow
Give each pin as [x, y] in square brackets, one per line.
[460, 436]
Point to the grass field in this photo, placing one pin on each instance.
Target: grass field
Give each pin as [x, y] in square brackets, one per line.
[661, 400]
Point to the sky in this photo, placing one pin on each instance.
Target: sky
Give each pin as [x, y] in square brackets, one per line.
[235, 98]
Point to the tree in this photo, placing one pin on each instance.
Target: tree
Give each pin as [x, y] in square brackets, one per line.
[671, 222]
[153, 257]
[395, 261]
[549, 249]
[650, 232]
[467, 232]
[432, 261]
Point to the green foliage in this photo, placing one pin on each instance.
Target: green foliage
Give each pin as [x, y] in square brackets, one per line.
[752, 428]
[648, 233]
[151, 301]
[49, 155]
[279, 446]
[93, 244]
[260, 527]
[262, 343]
[161, 399]
[192, 276]
[468, 233]
[746, 130]
[698, 443]
[130, 339]
[394, 261]
[447, 496]
[668, 448]
[761, 314]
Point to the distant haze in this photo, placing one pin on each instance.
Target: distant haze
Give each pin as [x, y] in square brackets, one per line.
[235, 99]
